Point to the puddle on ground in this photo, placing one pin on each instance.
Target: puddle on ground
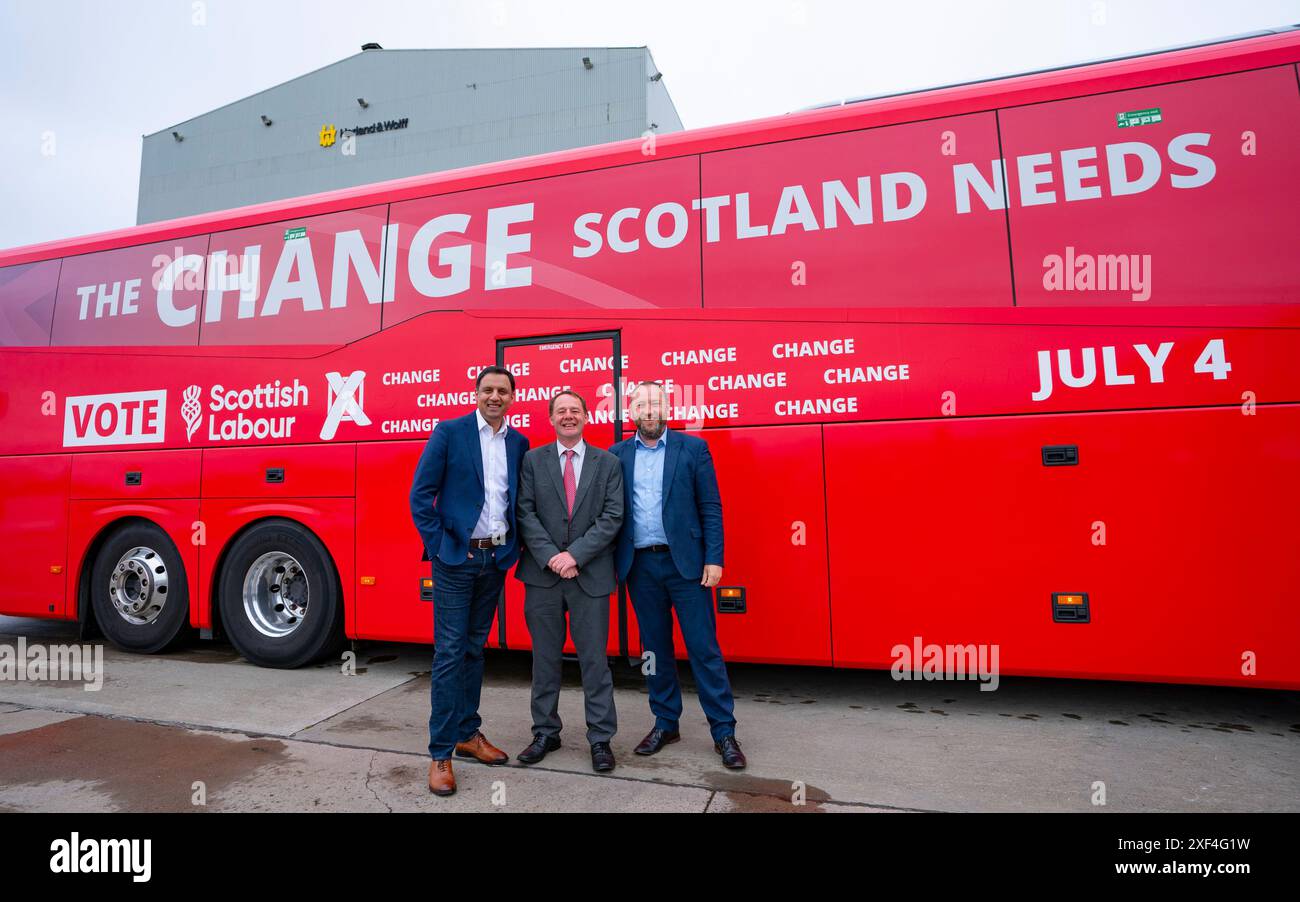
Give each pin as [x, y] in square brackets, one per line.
[104, 752]
[747, 793]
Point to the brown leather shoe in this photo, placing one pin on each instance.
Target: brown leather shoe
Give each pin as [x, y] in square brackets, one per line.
[442, 782]
[480, 749]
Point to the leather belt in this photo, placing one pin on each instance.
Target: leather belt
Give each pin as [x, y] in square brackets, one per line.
[483, 543]
[653, 548]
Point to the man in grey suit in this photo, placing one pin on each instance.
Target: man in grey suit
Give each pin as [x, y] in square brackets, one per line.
[570, 513]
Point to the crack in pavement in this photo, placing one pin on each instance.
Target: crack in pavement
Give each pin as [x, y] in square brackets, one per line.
[370, 771]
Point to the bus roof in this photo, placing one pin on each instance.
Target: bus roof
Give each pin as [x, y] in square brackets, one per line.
[1159, 67]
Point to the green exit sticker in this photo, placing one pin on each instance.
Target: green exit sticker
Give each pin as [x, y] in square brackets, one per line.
[1138, 117]
[290, 234]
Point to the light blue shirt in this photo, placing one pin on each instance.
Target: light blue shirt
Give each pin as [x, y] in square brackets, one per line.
[648, 492]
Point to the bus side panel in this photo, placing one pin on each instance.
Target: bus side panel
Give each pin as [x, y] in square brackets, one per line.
[136, 474]
[88, 518]
[518, 637]
[332, 520]
[388, 546]
[1179, 524]
[774, 516]
[34, 534]
[280, 471]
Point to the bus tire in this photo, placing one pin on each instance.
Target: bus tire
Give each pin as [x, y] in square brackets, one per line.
[138, 589]
[280, 598]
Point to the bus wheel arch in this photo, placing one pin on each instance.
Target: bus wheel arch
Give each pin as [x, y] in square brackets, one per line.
[277, 595]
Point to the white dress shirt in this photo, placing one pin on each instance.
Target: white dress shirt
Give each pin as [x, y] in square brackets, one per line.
[580, 451]
[496, 484]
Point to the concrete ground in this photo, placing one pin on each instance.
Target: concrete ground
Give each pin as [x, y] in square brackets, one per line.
[200, 729]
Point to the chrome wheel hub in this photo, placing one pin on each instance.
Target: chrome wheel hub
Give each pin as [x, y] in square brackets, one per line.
[138, 586]
[276, 593]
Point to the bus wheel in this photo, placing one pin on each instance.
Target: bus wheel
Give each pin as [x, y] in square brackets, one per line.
[138, 589]
[281, 604]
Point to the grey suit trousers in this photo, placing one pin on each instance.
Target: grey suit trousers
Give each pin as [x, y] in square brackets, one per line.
[544, 610]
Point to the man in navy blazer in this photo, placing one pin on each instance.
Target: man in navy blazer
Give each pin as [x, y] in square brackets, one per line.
[670, 557]
[463, 502]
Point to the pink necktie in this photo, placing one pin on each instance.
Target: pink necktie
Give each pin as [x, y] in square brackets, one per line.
[570, 482]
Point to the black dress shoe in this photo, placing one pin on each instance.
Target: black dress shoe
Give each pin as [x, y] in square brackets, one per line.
[537, 751]
[729, 749]
[655, 740]
[602, 757]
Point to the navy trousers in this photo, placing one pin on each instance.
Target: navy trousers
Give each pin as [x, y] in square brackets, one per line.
[464, 603]
[657, 589]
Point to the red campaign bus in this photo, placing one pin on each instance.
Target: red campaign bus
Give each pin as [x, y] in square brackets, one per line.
[1011, 363]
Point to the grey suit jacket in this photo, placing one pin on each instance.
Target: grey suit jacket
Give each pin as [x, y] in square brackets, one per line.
[543, 518]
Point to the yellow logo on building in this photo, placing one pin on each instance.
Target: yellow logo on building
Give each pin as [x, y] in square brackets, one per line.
[327, 135]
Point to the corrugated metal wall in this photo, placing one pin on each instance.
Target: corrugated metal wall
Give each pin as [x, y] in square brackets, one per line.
[463, 106]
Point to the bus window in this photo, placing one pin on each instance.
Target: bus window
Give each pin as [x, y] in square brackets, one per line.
[140, 296]
[618, 238]
[1174, 194]
[27, 303]
[316, 280]
[898, 216]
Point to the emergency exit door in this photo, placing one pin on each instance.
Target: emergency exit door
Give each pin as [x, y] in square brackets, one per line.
[591, 364]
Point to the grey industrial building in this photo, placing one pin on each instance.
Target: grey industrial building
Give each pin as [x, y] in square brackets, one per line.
[384, 114]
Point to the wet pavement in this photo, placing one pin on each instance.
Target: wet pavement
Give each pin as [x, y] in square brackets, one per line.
[200, 729]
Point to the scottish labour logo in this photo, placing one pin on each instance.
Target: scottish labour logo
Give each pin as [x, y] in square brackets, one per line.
[191, 410]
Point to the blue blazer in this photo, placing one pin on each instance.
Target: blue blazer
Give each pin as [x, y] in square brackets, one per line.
[447, 493]
[692, 505]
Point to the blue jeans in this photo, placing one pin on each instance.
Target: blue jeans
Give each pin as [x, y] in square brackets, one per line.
[464, 602]
[657, 589]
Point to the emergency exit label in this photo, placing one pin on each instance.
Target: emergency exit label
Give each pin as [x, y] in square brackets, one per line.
[1138, 117]
[291, 234]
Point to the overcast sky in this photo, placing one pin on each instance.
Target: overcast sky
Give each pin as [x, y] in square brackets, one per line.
[82, 80]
